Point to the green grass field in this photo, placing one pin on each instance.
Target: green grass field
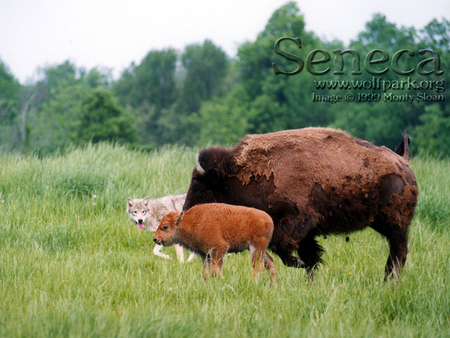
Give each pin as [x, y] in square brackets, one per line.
[72, 263]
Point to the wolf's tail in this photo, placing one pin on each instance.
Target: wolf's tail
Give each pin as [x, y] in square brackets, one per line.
[403, 148]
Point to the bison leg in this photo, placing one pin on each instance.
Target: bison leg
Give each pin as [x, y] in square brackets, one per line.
[284, 251]
[287, 258]
[398, 244]
[310, 252]
[396, 261]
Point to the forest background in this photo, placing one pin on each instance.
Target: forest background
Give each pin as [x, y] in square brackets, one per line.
[201, 96]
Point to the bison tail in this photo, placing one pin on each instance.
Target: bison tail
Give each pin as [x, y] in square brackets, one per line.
[403, 148]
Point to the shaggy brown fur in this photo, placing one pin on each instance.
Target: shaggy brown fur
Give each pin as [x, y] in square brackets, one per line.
[211, 230]
[313, 181]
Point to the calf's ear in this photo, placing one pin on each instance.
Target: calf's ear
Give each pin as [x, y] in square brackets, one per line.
[177, 222]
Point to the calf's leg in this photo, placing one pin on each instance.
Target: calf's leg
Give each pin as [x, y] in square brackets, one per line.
[216, 260]
[269, 264]
[206, 266]
[260, 260]
[257, 257]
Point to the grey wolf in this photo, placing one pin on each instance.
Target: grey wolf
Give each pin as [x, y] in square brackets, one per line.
[147, 213]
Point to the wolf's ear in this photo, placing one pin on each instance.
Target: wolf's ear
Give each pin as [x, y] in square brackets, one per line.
[145, 200]
[180, 218]
[129, 203]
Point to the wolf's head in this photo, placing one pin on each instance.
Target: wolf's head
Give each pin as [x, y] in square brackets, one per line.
[138, 211]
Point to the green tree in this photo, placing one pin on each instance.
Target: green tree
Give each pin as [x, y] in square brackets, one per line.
[437, 34]
[381, 34]
[221, 121]
[382, 121]
[98, 77]
[205, 68]
[9, 87]
[102, 119]
[255, 58]
[55, 104]
[9, 106]
[433, 135]
[279, 101]
[55, 126]
[148, 91]
[151, 83]
[58, 77]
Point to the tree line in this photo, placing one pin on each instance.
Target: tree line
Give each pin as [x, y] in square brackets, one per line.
[202, 96]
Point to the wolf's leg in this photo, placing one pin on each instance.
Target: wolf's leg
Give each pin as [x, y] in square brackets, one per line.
[179, 251]
[191, 257]
[157, 249]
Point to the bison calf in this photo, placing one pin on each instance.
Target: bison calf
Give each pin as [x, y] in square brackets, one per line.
[212, 230]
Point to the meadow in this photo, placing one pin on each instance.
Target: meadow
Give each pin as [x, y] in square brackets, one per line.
[73, 265]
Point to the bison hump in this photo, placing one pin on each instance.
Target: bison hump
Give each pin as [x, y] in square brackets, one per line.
[312, 155]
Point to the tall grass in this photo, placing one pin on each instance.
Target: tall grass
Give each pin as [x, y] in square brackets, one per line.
[72, 264]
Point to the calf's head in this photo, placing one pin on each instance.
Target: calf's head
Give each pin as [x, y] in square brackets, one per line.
[167, 233]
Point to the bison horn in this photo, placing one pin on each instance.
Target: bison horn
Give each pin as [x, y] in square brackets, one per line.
[198, 167]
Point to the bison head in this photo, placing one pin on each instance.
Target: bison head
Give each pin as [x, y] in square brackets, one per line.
[212, 167]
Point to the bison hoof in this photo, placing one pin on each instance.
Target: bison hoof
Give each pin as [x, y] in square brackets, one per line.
[295, 262]
[300, 263]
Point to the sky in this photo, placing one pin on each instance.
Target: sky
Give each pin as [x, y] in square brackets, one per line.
[115, 33]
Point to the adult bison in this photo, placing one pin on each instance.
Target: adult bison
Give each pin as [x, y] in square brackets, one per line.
[313, 181]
